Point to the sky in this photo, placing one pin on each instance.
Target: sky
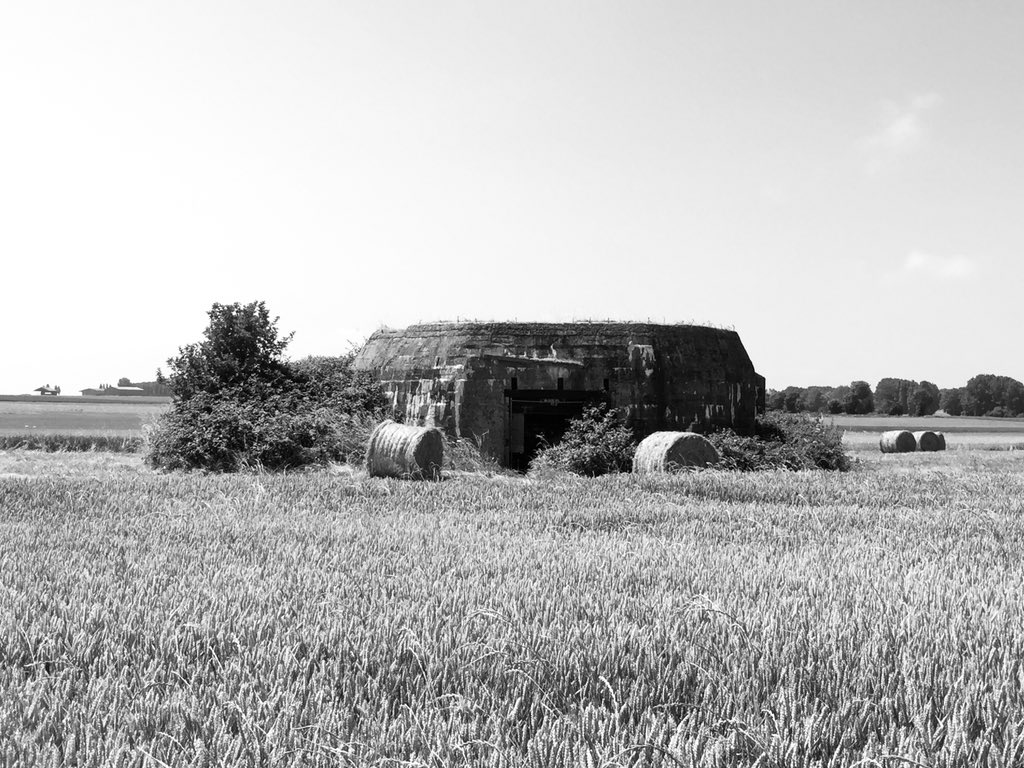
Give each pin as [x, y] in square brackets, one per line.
[842, 183]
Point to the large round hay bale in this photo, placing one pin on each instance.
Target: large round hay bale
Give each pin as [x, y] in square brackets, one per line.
[668, 451]
[399, 450]
[897, 441]
[942, 441]
[928, 441]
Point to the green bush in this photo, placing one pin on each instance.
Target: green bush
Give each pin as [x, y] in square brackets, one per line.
[599, 442]
[223, 434]
[331, 382]
[239, 404]
[596, 443]
[784, 441]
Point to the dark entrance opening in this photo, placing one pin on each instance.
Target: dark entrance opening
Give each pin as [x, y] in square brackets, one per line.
[539, 417]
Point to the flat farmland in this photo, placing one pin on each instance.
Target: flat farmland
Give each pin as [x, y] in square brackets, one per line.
[962, 432]
[791, 619]
[947, 424]
[77, 416]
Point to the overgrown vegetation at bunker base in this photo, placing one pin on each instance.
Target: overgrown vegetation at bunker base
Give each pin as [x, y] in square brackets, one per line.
[599, 442]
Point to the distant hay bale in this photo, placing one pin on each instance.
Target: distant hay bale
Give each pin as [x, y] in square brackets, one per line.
[942, 441]
[399, 450]
[897, 441]
[929, 441]
[667, 451]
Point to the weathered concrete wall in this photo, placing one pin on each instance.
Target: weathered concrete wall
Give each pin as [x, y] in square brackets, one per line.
[454, 376]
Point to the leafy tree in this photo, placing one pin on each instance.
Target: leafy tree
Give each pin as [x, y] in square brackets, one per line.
[838, 393]
[949, 400]
[776, 400]
[242, 351]
[924, 400]
[124, 381]
[792, 401]
[860, 400]
[892, 396]
[1011, 395]
[990, 395]
[978, 397]
[813, 399]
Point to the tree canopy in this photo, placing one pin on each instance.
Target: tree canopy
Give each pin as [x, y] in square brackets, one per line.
[241, 350]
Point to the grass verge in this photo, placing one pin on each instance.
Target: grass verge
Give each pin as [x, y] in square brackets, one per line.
[77, 443]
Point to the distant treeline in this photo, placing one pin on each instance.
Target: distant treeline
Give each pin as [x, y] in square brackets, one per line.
[984, 395]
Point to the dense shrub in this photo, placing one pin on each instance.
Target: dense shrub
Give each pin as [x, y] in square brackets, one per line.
[225, 434]
[239, 404]
[784, 441]
[331, 382]
[597, 443]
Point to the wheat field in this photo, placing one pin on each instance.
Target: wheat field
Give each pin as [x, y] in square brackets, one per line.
[872, 618]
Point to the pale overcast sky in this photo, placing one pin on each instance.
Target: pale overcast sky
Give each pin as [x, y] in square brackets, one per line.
[841, 182]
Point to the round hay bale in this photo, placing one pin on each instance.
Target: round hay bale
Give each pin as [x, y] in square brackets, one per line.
[928, 441]
[668, 451]
[942, 441]
[897, 441]
[399, 450]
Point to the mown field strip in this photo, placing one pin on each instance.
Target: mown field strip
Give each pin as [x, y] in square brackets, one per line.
[955, 441]
[326, 619]
[947, 424]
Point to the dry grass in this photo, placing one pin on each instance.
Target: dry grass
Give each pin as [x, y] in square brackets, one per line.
[51, 442]
[713, 618]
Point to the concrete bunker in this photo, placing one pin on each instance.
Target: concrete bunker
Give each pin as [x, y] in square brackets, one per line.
[514, 386]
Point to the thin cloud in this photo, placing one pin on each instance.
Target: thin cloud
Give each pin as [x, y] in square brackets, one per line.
[902, 131]
[920, 264]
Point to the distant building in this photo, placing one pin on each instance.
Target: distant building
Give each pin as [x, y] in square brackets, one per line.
[125, 391]
[109, 391]
[142, 389]
[46, 389]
